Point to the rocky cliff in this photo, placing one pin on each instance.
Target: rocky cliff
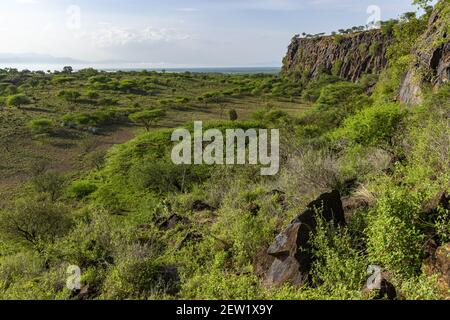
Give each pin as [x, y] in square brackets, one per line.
[347, 56]
[431, 57]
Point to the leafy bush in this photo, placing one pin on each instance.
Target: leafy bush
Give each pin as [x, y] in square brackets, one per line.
[338, 264]
[394, 239]
[374, 126]
[147, 118]
[82, 189]
[139, 273]
[40, 126]
[69, 95]
[35, 223]
[51, 183]
[17, 100]
[233, 115]
[314, 87]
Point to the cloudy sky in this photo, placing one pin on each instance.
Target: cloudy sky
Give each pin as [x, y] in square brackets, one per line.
[183, 33]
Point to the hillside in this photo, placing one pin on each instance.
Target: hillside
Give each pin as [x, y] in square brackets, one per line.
[359, 210]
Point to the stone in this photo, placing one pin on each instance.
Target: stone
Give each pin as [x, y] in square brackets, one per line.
[291, 248]
[94, 130]
[172, 221]
[439, 264]
[200, 205]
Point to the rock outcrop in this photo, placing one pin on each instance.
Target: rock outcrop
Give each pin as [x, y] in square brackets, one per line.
[291, 248]
[432, 57]
[347, 56]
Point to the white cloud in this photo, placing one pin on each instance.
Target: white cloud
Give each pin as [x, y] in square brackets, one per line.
[27, 1]
[187, 9]
[110, 36]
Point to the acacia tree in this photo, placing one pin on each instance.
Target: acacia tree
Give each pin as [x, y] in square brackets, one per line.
[17, 100]
[147, 118]
[424, 4]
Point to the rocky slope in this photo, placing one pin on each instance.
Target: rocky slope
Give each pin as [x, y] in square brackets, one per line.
[346, 56]
[431, 57]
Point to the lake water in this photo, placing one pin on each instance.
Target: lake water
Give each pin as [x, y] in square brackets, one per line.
[110, 68]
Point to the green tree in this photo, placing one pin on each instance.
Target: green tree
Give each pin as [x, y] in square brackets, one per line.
[233, 115]
[40, 126]
[17, 100]
[51, 183]
[69, 95]
[35, 223]
[67, 69]
[147, 118]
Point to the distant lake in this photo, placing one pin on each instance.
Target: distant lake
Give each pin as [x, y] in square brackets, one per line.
[110, 68]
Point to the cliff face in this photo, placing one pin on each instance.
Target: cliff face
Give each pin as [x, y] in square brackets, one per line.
[346, 56]
[432, 57]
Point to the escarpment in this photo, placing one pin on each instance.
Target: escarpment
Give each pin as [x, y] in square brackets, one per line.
[431, 64]
[348, 56]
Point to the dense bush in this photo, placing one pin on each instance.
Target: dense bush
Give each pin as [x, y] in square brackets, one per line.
[17, 100]
[50, 183]
[40, 126]
[374, 126]
[147, 118]
[69, 95]
[394, 239]
[81, 189]
[35, 223]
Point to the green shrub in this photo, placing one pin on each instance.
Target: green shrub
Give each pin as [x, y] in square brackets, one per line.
[233, 115]
[147, 118]
[82, 189]
[35, 223]
[139, 273]
[337, 265]
[374, 126]
[17, 100]
[314, 87]
[393, 235]
[40, 126]
[92, 95]
[69, 95]
[51, 183]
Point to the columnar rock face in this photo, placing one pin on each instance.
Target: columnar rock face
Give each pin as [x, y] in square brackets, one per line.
[432, 57]
[347, 56]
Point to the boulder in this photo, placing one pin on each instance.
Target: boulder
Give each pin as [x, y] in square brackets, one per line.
[172, 221]
[291, 248]
[439, 264]
[200, 205]
[94, 130]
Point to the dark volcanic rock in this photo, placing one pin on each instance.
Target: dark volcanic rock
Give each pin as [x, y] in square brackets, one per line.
[432, 57]
[291, 248]
[439, 264]
[349, 56]
[172, 221]
[200, 205]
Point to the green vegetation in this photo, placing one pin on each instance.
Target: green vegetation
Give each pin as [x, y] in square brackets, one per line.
[148, 118]
[110, 200]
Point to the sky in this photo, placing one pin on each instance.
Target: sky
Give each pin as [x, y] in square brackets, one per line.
[176, 33]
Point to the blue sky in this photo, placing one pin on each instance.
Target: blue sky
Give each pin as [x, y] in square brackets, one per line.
[176, 33]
